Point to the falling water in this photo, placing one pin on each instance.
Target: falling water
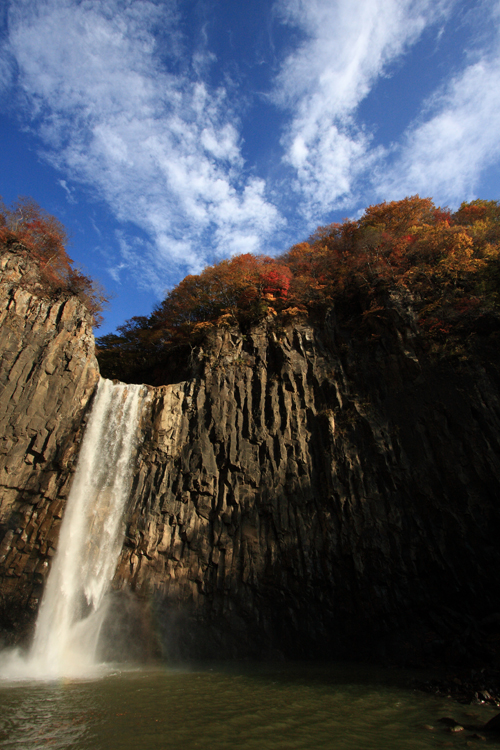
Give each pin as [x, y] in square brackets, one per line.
[74, 602]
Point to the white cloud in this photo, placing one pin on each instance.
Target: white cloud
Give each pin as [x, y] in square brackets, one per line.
[444, 155]
[348, 45]
[163, 150]
[69, 191]
[114, 271]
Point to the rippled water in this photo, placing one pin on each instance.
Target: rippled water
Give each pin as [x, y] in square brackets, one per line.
[267, 708]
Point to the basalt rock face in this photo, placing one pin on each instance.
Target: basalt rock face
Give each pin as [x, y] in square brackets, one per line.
[306, 491]
[314, 493]
[48, 373]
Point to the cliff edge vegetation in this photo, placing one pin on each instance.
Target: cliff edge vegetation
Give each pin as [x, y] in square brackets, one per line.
[29, 231]
[445, 265]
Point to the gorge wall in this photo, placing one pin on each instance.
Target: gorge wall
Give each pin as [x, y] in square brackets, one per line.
[310, 494]
[305, 491]
[48, 373]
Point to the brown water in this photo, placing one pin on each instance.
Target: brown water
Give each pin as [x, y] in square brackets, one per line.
[223, 708]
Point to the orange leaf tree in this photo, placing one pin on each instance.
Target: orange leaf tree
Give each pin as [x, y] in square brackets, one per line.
[446, 264]
[43, 238]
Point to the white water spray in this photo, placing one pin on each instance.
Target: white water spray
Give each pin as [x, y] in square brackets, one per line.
[74, 604]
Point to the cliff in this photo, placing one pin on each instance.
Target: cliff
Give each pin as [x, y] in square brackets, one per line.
[314, 493]
[48, 373]
[304, 491]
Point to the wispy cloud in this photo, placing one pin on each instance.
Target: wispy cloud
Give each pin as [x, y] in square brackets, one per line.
[445, 152]
[69, 192]
[125, 108]
[348, 44]
[162, 149]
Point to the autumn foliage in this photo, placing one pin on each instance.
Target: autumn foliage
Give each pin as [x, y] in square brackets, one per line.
[447, 264]
[33, 232]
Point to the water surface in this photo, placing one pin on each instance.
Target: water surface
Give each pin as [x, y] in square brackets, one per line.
[293, 707]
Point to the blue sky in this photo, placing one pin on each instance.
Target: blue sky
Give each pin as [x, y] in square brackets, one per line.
[168, 135]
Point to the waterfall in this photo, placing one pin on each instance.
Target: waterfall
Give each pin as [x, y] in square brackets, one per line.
[73, 607]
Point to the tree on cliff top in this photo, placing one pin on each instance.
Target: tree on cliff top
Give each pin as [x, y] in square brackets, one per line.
[447, 263]
[42, 237]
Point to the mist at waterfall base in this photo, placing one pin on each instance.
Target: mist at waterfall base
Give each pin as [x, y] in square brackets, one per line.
[76, 599]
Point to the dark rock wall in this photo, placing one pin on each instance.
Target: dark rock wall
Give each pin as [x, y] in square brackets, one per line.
[315, 494]
[48, 373]
[306, 491]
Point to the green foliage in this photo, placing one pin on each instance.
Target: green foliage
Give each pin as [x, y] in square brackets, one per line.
[447, 264]
[42, 237]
